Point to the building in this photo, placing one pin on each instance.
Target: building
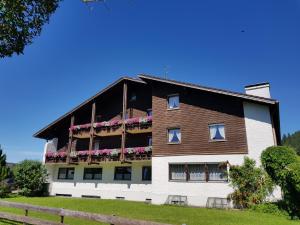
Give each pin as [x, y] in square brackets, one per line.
[152, 139]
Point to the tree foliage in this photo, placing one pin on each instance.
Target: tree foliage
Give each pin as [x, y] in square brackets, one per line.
[283, 165]
[21, 21]
[251, 184]
[30, 176]
[292, 140]
[275, 161]
[4, 172]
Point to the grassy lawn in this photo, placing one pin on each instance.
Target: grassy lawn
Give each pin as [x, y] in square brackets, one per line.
[168, 214]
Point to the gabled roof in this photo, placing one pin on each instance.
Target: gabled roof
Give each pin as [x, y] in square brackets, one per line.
[89, 100]
[209, 89]
[144, 79]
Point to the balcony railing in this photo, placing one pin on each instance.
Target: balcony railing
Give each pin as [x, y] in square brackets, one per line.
[103, 155]
[114, 127]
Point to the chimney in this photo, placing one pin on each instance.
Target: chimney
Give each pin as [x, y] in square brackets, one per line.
[261, 90]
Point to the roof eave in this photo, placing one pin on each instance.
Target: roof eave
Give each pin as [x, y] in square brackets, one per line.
[214, 90]
[37, 134]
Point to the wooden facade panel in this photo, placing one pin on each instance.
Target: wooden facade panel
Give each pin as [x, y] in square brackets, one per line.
[197, 110]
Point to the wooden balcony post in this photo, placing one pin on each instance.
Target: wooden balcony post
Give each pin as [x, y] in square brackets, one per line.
[70, 139]
[123, 121]
[92, 132]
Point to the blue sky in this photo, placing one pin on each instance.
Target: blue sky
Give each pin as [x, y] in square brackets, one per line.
[81, 51]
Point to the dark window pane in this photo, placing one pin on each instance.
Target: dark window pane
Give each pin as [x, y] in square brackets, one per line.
[66, 173]
[146, 173]
[123, 173]
[92, 174]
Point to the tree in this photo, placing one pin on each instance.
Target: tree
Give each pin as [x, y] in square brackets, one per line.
[283, 166]
[30, 177]
[292, 140]
[21, 21]
[251, 184]
[4, 171]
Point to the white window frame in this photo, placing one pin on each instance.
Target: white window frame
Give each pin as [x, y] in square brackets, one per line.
[209, 133]
[168, 138]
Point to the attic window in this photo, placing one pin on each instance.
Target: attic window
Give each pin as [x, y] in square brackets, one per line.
[133, 97]
[173, 102]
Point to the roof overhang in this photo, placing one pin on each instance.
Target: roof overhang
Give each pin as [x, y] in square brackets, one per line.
[209, 89]
[38, 134]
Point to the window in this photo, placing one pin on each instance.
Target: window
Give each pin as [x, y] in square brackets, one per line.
[173, 102]
[123, 173]
[92, 174]
[174, 136]
[217, 132]
[132, 97]
[66, 173]
[149, 112]
[146, 173]
[149, 141]
[197, 172]
[178, 172]
[215, 173]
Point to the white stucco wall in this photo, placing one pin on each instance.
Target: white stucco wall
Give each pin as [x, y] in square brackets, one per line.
[107, 188]
[196, 192]
[259, 129]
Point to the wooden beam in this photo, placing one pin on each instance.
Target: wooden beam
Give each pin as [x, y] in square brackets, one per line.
[92, 132]
[26, 219]
[70, 139]
[123, 120]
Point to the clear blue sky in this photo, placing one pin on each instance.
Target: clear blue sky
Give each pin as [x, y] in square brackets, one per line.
[82, 51]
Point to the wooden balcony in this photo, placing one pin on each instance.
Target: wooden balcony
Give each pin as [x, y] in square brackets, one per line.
[99, 156]
[114, 127]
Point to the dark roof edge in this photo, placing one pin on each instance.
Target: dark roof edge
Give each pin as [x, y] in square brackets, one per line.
[87, 101]
[214, 90]
[257, 85]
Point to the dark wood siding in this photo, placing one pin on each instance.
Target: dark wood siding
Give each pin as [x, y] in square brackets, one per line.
[197, 110]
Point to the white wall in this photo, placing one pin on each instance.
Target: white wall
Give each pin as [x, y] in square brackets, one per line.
[259, 129]
[196, 192]
[107, 188]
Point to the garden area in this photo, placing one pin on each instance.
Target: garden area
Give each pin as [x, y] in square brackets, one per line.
[166, 214]
[252, 185]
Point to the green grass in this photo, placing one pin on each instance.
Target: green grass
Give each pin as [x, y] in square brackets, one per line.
[167, 214]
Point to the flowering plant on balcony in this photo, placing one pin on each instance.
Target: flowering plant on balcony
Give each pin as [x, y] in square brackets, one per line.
[102, 152]
[56, 154]
[108, 123]
[80, 127]
[138, 150]
[139, 120]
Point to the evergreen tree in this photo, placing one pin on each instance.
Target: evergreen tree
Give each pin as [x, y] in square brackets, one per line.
[3, 168]
[292, 140]
[4, 172]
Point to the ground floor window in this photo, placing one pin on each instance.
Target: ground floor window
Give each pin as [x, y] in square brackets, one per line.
[146, 173]
[198, 172]
[66, 173]
[92, 174]
[123, 173]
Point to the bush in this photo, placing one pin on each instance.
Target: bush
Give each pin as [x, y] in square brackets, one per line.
[269, 207]
[283, 165]
[251, 184]
[4, 190]
[275, 160]
[30, 177]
